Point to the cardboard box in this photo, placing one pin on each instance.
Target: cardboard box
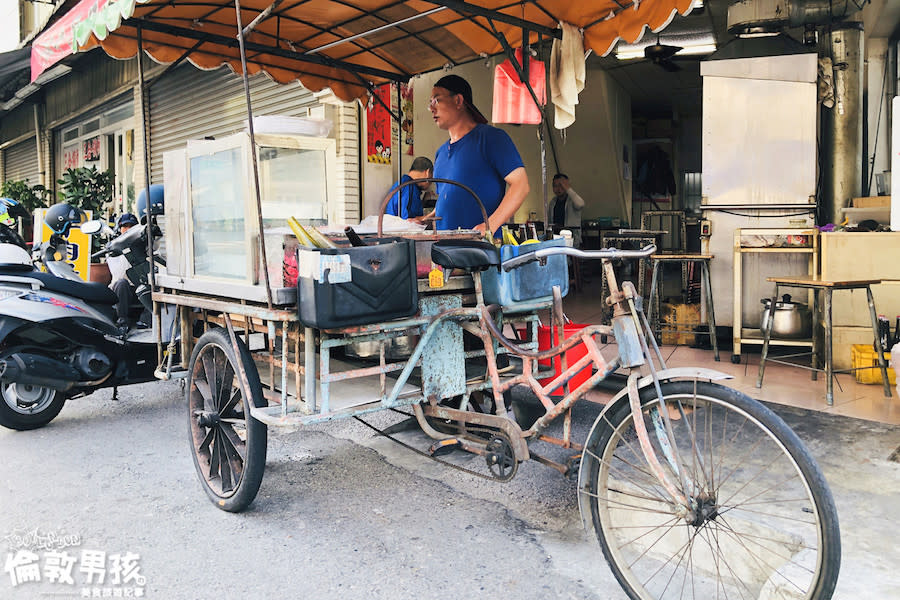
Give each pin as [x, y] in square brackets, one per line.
[863, 357]
[681, 317]
[872, 202]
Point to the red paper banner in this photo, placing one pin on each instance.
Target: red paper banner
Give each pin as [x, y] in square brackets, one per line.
[378, 126]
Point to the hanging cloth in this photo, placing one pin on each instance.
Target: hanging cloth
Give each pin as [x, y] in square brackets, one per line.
[566, 74]
[512, 101]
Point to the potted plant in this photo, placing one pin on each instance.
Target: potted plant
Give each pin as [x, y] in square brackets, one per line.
[87, 188]
[90, 190]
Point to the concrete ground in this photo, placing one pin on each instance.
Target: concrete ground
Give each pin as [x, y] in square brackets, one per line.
[344, 513]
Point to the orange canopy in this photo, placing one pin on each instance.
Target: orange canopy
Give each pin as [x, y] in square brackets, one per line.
[342, 44]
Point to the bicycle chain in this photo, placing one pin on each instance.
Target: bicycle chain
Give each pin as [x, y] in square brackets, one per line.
[493, 432]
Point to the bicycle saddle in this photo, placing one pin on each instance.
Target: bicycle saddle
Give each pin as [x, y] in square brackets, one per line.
[468, 255]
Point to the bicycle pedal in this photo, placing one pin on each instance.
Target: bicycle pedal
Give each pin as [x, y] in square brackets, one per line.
[444, 447]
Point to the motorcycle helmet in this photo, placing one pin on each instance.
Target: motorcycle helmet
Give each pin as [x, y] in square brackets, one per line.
[8, 235]
[157, 201]
[10, 210]
[12, 257]
[60, 218]
[125, 220]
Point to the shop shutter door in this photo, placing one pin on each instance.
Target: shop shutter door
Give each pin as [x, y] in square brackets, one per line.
[192, 104]
[22, 162]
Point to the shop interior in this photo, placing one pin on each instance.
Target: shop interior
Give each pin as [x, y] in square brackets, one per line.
[665, 84]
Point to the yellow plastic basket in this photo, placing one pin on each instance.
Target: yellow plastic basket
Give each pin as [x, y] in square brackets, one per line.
[864, 358]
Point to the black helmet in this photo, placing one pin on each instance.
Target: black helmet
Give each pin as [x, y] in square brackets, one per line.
[157, 201]
[126, 220]
[60, 217]
[8, 235]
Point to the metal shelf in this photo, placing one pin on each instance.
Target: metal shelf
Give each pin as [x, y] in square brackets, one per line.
[742, 335]
[755, 336]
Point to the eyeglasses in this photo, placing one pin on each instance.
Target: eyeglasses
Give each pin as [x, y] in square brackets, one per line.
[435, 99]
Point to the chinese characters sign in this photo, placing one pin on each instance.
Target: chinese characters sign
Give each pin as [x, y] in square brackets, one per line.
[60, 560]
[71, 157]
[91, 149]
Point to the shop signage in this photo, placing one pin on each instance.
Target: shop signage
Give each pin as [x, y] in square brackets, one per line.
[78, 251]
[90, 149]
[71, 157]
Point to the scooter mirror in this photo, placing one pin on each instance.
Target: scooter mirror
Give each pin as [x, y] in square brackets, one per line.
[97, 226]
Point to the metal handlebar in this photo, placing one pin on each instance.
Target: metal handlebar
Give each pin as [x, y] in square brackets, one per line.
[606, 253]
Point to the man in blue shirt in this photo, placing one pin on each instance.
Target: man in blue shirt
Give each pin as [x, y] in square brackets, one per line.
[480, 156]
[410, 206]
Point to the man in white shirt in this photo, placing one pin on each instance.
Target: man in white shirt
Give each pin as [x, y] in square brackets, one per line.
[565, 208]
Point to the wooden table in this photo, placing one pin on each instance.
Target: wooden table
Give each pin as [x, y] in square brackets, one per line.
[826, 287]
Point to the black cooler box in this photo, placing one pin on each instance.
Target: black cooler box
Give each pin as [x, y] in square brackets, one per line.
[357, 285]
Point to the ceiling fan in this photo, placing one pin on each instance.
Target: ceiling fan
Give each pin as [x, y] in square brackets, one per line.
[661, 55]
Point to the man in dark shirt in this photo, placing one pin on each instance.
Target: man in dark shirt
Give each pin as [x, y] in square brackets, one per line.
[409, 205]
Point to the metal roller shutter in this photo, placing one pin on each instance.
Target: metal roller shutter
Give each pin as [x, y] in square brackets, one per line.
[192, 104]
[21, 161]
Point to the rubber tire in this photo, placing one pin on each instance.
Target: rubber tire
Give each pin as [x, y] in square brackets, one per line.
[254, 461]
[601, 434]
[12, 419]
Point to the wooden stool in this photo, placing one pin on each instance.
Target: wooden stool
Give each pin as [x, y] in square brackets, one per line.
[703, 260]
[826, 287]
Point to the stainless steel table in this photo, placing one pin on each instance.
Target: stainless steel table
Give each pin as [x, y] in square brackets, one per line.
[826, 287]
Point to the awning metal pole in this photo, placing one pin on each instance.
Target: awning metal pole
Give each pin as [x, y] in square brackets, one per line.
[260, 17]
[259, 217]
[151, 277]
[399, 149]
[376, 30]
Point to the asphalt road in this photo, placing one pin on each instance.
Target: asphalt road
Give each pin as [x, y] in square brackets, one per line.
[343, 513]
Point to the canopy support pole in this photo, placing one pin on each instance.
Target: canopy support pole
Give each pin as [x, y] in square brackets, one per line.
[151, 277]
[399, 151]
[259, 217]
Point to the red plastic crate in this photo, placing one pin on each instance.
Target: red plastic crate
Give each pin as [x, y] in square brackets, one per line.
[572, 356]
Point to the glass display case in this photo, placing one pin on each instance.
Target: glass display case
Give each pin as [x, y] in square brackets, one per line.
[212, 225]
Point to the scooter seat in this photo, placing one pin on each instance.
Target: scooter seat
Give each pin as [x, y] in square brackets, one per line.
[468, 255]
[87, 291]
[15, 268]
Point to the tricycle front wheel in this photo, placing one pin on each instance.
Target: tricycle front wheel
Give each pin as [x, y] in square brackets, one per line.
[227, 443]
[762, 522]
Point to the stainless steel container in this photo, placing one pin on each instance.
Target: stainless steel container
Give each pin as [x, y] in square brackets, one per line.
[791, 319]
[369, 349]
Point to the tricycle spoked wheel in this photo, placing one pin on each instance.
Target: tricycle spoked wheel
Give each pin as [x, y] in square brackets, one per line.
[25, 406]
[759, 521]
[228, 445]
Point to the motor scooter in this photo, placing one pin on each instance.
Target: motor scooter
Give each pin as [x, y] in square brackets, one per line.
[58, 334]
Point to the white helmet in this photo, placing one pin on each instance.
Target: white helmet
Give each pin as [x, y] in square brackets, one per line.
[14, 257]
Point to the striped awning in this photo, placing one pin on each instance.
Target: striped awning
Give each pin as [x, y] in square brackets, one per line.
[345, 45]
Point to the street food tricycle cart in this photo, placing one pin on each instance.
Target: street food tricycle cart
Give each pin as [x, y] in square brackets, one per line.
[692, 489]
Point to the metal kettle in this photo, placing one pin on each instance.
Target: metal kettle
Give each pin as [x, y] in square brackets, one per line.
[791, 319]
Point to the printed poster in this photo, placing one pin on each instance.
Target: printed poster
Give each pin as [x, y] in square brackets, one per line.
[378, 127]
[406, 129]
